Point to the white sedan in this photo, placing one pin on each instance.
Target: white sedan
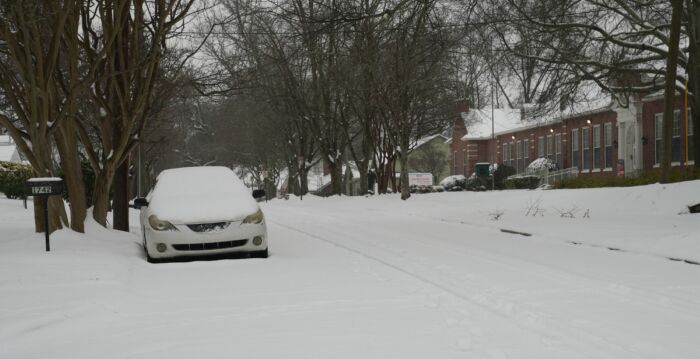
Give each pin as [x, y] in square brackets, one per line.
[197, 211]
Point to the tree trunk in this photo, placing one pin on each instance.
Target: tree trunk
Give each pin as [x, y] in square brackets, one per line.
[304, 180]
[693, 31]
[336, 170]
[100, 197]
[405, 192]
[670, 90]
[67, 145]
[392, 175]
[362, 167]
[57, 214]
[292, 180]
[120, 206]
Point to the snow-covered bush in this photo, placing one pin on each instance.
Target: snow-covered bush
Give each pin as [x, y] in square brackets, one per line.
[12, 178]
[523, 182]
[451, 182]
[478, 184]
[500, 175]
[420, 189]
[540, 165]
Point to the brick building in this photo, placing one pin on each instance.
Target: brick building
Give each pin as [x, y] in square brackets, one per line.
[605, 140]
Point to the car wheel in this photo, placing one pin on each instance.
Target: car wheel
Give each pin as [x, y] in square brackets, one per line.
[259, 254]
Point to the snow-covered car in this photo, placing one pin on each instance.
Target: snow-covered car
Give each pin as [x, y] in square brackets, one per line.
[197, 211]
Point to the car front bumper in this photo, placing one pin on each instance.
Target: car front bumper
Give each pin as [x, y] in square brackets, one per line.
[185, 242]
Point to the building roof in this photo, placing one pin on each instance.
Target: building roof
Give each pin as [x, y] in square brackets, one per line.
[426, 139]
[478, 122]
[588, 100]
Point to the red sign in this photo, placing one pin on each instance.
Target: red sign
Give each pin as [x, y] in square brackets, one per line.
[620, 168]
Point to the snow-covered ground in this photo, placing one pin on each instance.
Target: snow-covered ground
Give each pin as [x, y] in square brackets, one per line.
[431, 277]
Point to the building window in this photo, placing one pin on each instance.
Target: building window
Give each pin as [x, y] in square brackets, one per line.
[608, 145]
[597, 159]
[691, 154]
[464, 163]
[540, 147]
[454, 163]
[586, 148]
[557, 150]
[504, 154]
[526, 153]
[519, 156]
[512, 154]
[658, 127]
[574, 148]
[676, 137]
[550, 148]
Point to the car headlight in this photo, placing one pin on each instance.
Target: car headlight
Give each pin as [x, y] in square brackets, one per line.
[160, 225]
[254, 218]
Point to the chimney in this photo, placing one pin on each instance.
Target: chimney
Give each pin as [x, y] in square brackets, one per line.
[458, 128]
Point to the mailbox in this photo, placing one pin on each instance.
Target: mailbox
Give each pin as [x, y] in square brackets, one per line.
[42, 188]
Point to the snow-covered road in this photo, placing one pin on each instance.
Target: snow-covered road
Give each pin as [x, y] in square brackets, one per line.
[432, 277]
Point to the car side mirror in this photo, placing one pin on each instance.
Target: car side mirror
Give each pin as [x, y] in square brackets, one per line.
[258, 193]
[140, 202]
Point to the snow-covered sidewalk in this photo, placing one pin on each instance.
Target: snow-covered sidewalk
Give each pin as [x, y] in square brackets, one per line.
[432, 277]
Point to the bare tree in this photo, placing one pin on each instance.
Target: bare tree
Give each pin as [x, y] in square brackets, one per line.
[126, 76]
[613, 43]
[41, 81]
[415, 64]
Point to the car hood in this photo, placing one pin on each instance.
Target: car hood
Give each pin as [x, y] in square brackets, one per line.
[191, 210]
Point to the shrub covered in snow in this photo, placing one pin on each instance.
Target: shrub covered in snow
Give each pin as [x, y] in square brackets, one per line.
[12, 178]
[452, 183]
[478, 184]
[425, 189]
[523, 182]
[541, 164]
[500, 175]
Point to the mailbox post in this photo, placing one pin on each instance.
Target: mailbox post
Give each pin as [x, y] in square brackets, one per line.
[43, 187]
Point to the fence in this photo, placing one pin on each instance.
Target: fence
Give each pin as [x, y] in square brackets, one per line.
[550, 177]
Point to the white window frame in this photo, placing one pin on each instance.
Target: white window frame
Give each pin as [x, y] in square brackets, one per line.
[607, 143]
[676, 136]
[596, 146]
[454, 163]
[575, 151]
[526, 153]
[464, 163]
[540, 147]
[585, 149]
[658, 130]
[558, 156]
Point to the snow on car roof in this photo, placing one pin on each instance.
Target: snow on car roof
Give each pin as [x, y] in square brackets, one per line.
[201, 195]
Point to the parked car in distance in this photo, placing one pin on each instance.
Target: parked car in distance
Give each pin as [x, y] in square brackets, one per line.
[196, 211]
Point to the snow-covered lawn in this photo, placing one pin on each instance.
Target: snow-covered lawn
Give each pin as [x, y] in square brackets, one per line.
[431, 277]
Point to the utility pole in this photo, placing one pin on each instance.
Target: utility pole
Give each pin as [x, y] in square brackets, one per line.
[493, 132]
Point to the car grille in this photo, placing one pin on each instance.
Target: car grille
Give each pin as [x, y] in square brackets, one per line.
[210, 245]
[209, 227]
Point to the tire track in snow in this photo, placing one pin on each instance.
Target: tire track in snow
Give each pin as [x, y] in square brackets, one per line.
[593, 341]
[643, 293]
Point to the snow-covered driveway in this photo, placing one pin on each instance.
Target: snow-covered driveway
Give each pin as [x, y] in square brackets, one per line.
[432, 277]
